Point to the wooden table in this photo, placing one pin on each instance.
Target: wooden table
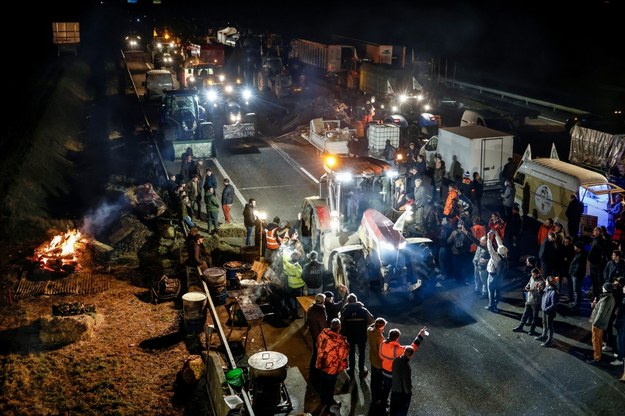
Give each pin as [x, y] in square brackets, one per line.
[305, 302]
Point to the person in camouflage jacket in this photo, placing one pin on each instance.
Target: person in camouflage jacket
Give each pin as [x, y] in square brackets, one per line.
[332, 355]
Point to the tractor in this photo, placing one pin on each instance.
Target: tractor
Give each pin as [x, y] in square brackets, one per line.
[349, 224]
[183, 124]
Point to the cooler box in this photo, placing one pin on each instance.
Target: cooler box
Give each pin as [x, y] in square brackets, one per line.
[378, 134]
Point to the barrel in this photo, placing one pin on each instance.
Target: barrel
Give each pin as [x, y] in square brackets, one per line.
[233, 269]
[216, 282]
[193, 304]
[268, 369]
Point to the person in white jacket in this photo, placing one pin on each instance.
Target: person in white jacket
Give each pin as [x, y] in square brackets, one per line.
[495, 268]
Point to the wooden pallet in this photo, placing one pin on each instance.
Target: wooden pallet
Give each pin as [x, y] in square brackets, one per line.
[78, 283]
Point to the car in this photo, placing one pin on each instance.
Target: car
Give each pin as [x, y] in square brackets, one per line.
[132, 41]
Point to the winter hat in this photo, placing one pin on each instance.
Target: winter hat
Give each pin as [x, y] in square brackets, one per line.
[579, 245]
[328, 294]
[608, 287]
[320, 299]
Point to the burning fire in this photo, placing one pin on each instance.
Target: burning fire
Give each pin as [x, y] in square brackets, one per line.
[60, 252]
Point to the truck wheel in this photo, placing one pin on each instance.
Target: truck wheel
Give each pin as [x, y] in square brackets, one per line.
[351, 270]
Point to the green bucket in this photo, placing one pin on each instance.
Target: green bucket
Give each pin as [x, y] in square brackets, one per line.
[234, 377]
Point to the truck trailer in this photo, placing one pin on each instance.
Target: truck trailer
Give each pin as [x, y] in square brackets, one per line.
[470, 148]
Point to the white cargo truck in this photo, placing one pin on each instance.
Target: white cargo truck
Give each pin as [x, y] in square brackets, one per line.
[470, 148]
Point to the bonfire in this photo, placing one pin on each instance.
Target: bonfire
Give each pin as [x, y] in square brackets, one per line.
[60, 254]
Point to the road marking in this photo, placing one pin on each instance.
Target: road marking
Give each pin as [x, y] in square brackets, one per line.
[267, 187]
[225, 175]
[292, 162]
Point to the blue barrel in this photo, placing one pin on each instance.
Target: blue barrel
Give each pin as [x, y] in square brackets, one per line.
[233, 269]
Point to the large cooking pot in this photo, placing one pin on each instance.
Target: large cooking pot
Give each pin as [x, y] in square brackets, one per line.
[268, 366]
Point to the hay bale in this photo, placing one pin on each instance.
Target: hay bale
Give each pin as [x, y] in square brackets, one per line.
[232, 230]
[63, 330]
[192, 369]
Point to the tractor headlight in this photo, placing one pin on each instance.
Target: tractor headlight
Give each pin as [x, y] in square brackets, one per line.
[387, 246]
[403, 98]
[246, 94]
[211, 95]
[229, 89]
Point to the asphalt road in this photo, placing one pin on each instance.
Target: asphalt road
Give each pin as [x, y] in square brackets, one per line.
[472, 363]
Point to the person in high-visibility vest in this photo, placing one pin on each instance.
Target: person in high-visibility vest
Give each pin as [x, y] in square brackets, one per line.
[272, 244]
[389, 350]
[295, 283]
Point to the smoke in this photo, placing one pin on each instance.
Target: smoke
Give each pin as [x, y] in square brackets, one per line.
[99, 219]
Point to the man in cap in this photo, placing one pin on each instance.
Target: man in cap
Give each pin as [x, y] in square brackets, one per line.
[333, 308]
[375, 337]
[599, 318]
[317, 321]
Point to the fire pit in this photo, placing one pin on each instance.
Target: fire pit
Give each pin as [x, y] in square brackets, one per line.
[60, 254]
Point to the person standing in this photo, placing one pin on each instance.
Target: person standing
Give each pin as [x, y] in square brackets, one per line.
[549, 255]
[548, 305]
[496, 268]
[375, 337]
[389, 350]
[272, 242]
[544, 230]
[249, 220]
[534, 290]
[355, 319]
[212, 210]
[227, 199]
[508, 199]
[332, 354]
[313, 274]
[480, 275]
[477, 190]
[420, 202]
[317, 320]
[599, 317]
[334, 308]
[295, 284]
[401, 389]
[577, 272]
[210, 181]
[438, 178]
[507, 173]
[574, 213]
[389, 153]
[597, 260]
[619, 325]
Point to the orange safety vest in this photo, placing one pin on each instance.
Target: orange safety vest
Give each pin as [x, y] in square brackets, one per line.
[448, 203]
[271, 242]
[478, 231]
[388, 352]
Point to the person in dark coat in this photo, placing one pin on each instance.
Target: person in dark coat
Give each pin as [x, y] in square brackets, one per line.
[548, 306]
[401, 390]
[249, 220]
[355, 319]
[577, 272]
[574, 213]
[317, 320]
[334, 308]
[210, 181]
[548, 255]
[313, 274]
[227, 199]
[476, 190]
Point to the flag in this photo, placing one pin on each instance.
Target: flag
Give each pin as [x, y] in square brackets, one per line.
[416, 85]
[554, 152]
[527, 155]
[389, 89]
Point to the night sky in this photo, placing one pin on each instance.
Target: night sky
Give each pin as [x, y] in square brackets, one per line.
[565, 53]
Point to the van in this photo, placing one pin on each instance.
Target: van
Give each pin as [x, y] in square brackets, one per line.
[486, 118]
[157, 80]
[544, 187]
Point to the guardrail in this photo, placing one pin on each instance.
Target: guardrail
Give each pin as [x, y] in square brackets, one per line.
[504, 94]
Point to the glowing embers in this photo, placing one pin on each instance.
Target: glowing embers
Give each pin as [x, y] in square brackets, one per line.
[60, 255]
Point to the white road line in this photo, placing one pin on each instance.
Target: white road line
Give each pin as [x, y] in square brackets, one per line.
[292, 162]
[253, 188]
[225, 175]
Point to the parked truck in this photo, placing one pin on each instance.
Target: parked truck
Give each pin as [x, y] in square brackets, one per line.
[334, 59]
[470, 148]
[600, 145]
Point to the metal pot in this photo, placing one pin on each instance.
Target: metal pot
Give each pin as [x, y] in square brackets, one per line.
[268, 366]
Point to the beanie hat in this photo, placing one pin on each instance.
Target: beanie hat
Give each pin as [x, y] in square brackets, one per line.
[320, 298]
[609, 287]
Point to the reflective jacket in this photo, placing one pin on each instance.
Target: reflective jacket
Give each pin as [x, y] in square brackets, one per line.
[293, 272]
[271, 242]
[389, 350]
[332, 352]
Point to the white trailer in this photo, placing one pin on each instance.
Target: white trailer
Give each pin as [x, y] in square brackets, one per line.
[328, 136]
[470, 148]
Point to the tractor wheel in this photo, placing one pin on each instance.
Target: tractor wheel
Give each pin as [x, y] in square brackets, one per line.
[350, 269]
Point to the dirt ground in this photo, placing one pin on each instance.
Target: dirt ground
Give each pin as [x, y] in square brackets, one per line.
[51, 170]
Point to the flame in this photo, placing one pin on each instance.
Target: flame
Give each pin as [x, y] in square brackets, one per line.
[61, 249]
